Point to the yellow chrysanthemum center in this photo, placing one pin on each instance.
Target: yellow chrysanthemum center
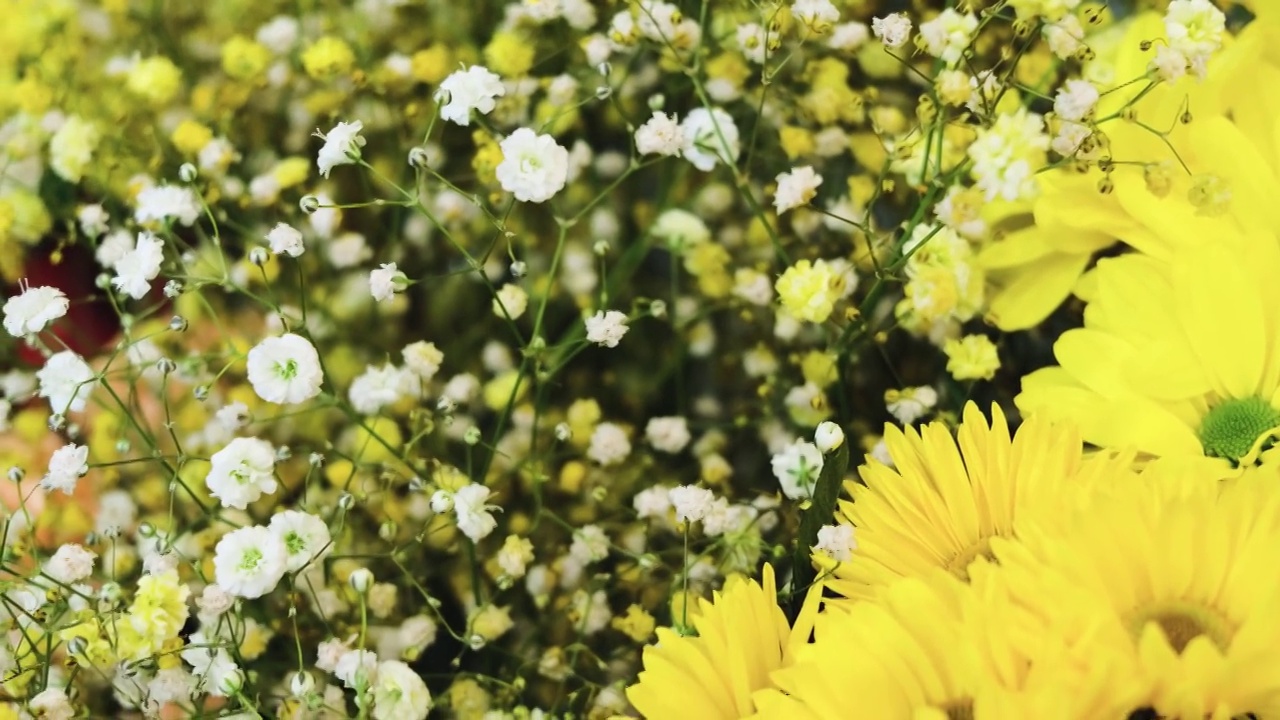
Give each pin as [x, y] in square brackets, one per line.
[1182, 621]
[959, 565]
[1231, 428]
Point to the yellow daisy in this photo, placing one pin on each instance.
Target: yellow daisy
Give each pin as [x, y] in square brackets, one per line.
[1177, 580]
[936, 648]
[1179, 360]
[742, 638]
[1179, 184]
[946, 496]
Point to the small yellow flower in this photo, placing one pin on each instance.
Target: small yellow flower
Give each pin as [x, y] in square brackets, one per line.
[190, 136]
[244, 59]
[155, 79]
[327, 58]
[972, 357]
[796, 142]
[509, 54]
[637, 624]
[433, 64]
[808, 290]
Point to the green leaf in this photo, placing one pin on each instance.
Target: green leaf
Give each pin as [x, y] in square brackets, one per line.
[821, 511]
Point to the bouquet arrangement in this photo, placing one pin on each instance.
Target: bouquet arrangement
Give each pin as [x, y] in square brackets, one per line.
[640, 358]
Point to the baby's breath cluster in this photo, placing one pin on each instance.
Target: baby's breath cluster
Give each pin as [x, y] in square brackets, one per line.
[505, 359]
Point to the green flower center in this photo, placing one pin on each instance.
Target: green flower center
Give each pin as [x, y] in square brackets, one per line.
[295, 543]
[250, 559]
[1230, 429]
[287, 369]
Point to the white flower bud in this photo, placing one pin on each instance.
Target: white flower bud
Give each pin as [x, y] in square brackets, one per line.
[361, 580]
[302, 684]
[828, 437]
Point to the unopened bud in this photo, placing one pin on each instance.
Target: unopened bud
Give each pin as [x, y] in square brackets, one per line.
[828, 437]
[187, 173]
[361, 580]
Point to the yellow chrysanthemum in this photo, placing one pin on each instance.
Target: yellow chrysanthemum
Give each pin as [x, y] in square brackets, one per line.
[742, 638]
[1191, 173]
[936, 648]
[947, 497]
[1178, 359]
[1176, 580]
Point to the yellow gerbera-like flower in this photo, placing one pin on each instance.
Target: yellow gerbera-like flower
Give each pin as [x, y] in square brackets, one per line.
[936, 648]
[1201, 160]
[946, 497]
[742, 638]
[1179, 360]
[1176, 580]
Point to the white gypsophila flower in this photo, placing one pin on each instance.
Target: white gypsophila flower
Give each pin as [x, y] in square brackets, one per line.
[849, 37]
[113, 246]
[680, 229]
[1075, 100]
[377, 388]
[590, 544]
[408, 640]
[67, 465]
[329, 652]
[422, 358]
[475, 88]
[233, 416]
[285, 370]
[305, 536]
[724, 518]
[33, 310]
[836, 542]
[796, 188]
[660, 135]
[66, 380]
[690, 502]
[341, 146]
[797, 468]
[667, 434]
[947, 35]
[137, 268]
[473, 516]
[286, 239]
[753, 42]
[357, 666]
[817, 15]
[279, 34]
[93, 220]
[606, 328]
[209, 660]
[386, 281]
[911, 404]
[399, 693]
[242, 472]
[511, 301]
[652, 502]
[534, 167]
[213, 602]
[160, 203]
[1169, 64]
[249, 562]
[116, 513]
[593, 609]
[609, 444]
[710, 137]
[892, 30]
[171, 685]
[52, 704]
[70, 564]
[1195, 29]
[1065, 37]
